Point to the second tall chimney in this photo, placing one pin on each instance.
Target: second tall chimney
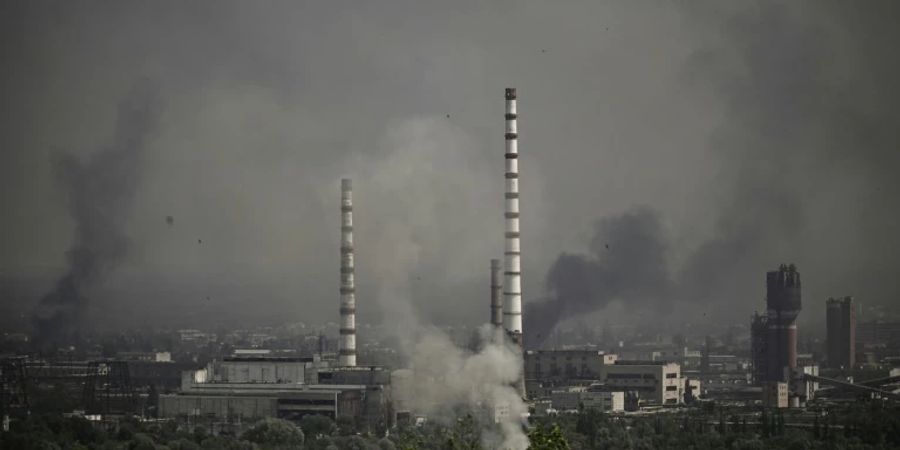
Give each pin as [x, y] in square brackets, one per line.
[496, 295]
[347, 350]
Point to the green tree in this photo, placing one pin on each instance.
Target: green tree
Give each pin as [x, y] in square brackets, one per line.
[183, 444]
[465, 435]
[544, 439]
[141, 441]
[386, 444]
[764, 428]
[316, 425]
[272, 432]
[225, 443]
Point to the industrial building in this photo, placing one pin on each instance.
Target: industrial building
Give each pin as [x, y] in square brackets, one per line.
[566, 365]
[549, 372]
[773, 336]
[775, 394]
[783, 305]
[603, 398]
[254, 384]
[658, 383]
[242, 389]
[840, 321]
[246, 402]
[256, 370]
[664, 353]
[596, 396]
[878, 334]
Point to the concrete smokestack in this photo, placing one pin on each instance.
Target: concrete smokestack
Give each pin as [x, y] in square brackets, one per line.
[347, 350]
[496, 295]
[512, 270]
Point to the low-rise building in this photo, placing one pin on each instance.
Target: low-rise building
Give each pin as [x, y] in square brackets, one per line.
[567, 399]
[248, 388]
[145, 356]
[775, 394]
[657, 383]
[566, 364]
[551, 373]
[603, 398]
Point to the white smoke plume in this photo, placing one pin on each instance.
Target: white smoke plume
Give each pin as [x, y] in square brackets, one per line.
[443, 380]
[407, 210]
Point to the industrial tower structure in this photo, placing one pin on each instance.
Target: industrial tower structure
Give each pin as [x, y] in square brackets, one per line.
[840, 321]
[496, 295]
[782, 307]
[512, 275]
[347, 349]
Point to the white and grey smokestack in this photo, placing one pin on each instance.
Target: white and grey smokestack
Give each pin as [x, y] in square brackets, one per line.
[347, 350]
[512, 270]
[496, 295]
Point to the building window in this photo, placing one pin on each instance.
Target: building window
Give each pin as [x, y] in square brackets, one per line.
[671, 388]
[672, 375]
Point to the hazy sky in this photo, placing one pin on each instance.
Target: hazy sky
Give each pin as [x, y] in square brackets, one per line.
[757, 132]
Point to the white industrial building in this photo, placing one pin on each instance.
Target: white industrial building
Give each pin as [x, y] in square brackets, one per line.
[656, 382]
[597, 396]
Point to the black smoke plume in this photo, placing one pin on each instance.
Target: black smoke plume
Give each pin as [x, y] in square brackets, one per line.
[627, 261]
[100, 190]
[810, 116]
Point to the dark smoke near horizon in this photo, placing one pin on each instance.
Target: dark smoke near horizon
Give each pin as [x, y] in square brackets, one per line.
[803, 122]
[100, 191]
[627, 261]
[758, 133]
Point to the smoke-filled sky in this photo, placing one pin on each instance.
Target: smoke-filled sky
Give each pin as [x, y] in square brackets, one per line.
[739, 135]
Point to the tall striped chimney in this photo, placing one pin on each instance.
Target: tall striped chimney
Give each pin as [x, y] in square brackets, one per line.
[347, 350]
[512, 271]
[496, 295]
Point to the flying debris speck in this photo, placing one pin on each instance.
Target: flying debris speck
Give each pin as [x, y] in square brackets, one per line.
[199, 241]
[170, 220]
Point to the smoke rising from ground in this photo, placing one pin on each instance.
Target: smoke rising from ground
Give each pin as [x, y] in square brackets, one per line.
[100, 190]
[405, 202]
[445, 382]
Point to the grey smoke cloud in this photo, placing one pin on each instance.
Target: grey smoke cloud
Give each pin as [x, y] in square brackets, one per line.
[759, 133]
[806, 158]
[100, 191]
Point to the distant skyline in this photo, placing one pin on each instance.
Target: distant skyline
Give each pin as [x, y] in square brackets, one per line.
[754, 134]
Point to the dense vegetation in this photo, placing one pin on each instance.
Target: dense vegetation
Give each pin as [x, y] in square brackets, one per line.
[857, 426]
